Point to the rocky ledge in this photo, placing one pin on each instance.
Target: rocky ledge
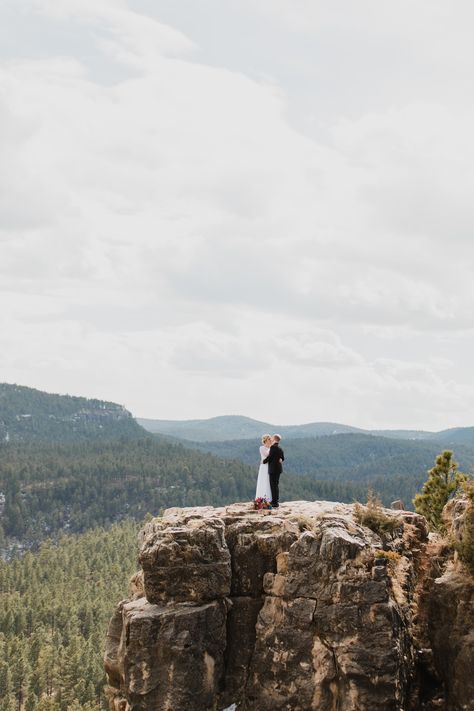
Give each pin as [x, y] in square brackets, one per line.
[302, 609]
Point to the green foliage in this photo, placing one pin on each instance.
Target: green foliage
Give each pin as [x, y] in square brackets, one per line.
[54, 615]
[372, 515]
[465, 547]
[444, 481]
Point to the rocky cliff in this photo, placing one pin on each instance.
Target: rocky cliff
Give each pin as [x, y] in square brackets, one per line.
[299, 610]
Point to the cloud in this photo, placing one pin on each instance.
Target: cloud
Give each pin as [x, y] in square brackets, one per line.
[127, 36]
[171, 229]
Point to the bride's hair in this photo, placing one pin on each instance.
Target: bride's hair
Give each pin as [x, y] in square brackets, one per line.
[265, 437]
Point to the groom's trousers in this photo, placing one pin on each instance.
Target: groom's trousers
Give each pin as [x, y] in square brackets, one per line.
[274, 486]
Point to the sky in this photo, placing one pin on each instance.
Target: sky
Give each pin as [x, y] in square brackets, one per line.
[245, 207]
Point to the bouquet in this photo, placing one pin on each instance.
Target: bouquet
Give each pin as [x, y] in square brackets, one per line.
[261, 504]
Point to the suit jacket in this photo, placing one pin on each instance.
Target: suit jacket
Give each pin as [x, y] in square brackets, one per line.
[273, 460]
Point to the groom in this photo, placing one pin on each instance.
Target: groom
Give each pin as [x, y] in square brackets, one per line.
[274, 460]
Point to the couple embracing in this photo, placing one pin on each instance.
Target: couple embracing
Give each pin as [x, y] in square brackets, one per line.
[271, 458]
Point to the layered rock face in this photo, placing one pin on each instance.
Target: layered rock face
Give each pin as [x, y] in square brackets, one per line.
[446, 617]
[299, 610]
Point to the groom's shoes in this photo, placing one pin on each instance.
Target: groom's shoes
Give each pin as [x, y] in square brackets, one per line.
[275, 506]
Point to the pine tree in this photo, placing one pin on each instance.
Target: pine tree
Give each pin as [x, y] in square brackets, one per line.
[444, 480]
[6, 683]
[20, 669]
[8, 703]
[31, 702]
[47, 704]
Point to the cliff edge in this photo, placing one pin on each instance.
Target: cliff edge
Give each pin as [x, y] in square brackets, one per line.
[299, 610]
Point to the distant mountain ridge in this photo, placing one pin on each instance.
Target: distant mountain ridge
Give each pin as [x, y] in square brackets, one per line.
[225, 427]
[234, 427]
[27, 414]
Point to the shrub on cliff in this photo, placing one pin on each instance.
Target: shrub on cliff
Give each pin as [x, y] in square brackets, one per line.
[465, 547]
[372, 515]
[444, 481]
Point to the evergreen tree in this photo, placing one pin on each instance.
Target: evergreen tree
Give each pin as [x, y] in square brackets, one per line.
[444, 480]
[6, 682]
[47, 704]
[20, 670]
[8, 703]
[31, 703]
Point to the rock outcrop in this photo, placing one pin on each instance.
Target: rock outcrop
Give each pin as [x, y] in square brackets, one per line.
[302, 609]
[444, 627]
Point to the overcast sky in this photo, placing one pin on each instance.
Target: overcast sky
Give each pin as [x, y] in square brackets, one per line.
[259, 207]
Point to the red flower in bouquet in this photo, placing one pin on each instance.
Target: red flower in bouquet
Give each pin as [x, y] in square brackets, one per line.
[261, 503]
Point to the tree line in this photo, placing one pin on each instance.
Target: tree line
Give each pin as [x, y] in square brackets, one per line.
[56, 604]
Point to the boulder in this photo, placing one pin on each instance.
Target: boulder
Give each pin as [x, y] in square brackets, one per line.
[187, 561]
[398, 505]
[167, 657]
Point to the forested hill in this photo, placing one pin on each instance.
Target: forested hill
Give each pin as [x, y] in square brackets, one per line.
[344, 456]
[29, 415]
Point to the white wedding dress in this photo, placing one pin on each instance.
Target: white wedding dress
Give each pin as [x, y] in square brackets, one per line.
[263, 480]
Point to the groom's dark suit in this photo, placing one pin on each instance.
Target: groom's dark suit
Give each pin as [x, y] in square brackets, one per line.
[274, 460]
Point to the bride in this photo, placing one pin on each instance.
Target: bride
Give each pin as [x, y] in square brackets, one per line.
[263, 480]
